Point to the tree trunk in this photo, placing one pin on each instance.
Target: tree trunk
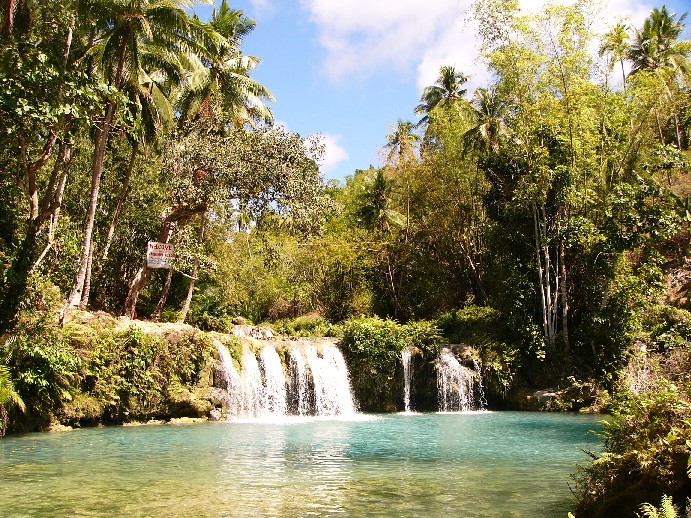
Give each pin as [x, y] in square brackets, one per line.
[171, 216]
[87, 280]
[17, 275]
[75, 296]
[144, 274]
[564, 298]
[156, 315]
[54, 208]
[101, 144]
[659, 128]
[466, 248]
[121, 201]
[678, 130]
[190, 290]
[540, 273]
[548, 296]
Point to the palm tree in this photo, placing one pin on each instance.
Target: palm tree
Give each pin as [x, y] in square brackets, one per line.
[447, 88]
[225, 76]
[615, 43]
[376, 205]
[401, 142]
[656, 49]
[150, 106]
[377, 213]
[489, 111]
[133, 32]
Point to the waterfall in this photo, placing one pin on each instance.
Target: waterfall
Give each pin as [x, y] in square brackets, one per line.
[406, 358]
[230, 381]
[274, 382]
[315, 381]
[482, 400]
[332, 394]
[299, 389]
[252, 385]
[455, 384]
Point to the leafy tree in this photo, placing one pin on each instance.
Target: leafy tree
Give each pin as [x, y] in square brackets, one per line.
[401, 142]
[615, 43]
[656, 50]
[131, 32]
[269, 171]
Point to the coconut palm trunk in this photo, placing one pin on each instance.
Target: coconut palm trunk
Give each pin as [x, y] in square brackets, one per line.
[101, 144]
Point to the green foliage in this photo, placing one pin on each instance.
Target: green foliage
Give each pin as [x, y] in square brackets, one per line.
[667, 509]
[41, 365]
[646, 453]
[372, 348]
[132, 375]
[484, 329]
[380, 342]
[307, 325]
[210, 312]
[81, 374]
[8, 397]
[639, 214]
[668, 327]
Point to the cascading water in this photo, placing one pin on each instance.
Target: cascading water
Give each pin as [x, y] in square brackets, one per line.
[455, 384]
[252, 385]
[230, 381]
[275, 397]
[406, 359]
[300, 402]
[315, 382]
[480, 387]
[332, 394]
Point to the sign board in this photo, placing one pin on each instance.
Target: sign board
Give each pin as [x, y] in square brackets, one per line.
[159, 255]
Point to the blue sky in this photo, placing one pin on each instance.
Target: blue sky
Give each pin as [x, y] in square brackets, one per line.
[348, 69]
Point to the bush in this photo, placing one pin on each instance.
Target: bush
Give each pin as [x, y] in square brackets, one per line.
[42, 367]
[306, 325]
[646, 453]
[135, 376]
[373, 346]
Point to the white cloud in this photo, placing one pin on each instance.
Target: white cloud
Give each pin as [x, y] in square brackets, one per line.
[362, 37]
[334, 153]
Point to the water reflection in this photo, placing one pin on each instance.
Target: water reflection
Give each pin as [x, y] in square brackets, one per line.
[437, 465]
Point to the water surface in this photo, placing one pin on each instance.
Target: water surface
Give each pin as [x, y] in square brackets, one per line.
[477, 464]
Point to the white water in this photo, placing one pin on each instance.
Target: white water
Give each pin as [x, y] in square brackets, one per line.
[252, 385]
[231, 381]
[332, 394]
[455, 384]
[482, 401]
[275, 396]
[406, 357]
[300, 393]
[317, 383]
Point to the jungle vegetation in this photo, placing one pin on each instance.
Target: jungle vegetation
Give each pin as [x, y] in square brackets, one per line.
[543, 218]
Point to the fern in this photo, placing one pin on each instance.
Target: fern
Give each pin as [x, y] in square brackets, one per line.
[667, 509]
